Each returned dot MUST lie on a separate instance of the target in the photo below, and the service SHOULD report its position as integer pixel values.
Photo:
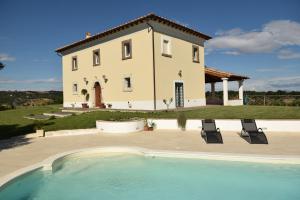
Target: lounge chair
(210, 133)
(252, 133)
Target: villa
(150, 63)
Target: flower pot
(146, 128)
(150, 128)
(85, 105)
(102, 105)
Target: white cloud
(49, 80)
(274, 84)
(285, 32)
(252, 42)
(272, 36)
(6, 57)
(234, 53)
(288, 54)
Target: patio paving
(22, 152)
(59, 114)
(37, 117)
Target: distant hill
(30, 98)
(268, 93)
(270, 98)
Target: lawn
(12, 122)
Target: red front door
(97, 95)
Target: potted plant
(149, 126)
(181, 121)
(85, 93)
(146, 127)
(102, 105)
(38, 125)
(167, 103)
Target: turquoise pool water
(131, 177)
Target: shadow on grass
(8, 131)
(8, 135)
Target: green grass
(12, 122)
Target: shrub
(87, 97)
(38, 125)
(181, 121)
(167, 103)
(152, 124)
(52, 117)
(83, 91)
(5, 107)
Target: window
(166, 47)
(74, 63)
(96, 57)
(126, 49)
(127, 84)
(75, 88)
(196, 54)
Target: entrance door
(97, 94)
(179, 97)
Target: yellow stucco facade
(176, 75)
(169, 68)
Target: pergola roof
(214, 75)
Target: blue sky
(260, 39)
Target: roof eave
(137, 21)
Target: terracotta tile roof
(134, 22)
(215, 75)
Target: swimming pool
(126, 176)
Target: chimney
(87, 35)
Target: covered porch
(213, 76)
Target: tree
(1, 65)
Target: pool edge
(49, 162)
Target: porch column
(225, 91)
(212, 89)
(241, 90)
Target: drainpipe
(153, 59)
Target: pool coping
(49, 162)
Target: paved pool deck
(21, 152)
